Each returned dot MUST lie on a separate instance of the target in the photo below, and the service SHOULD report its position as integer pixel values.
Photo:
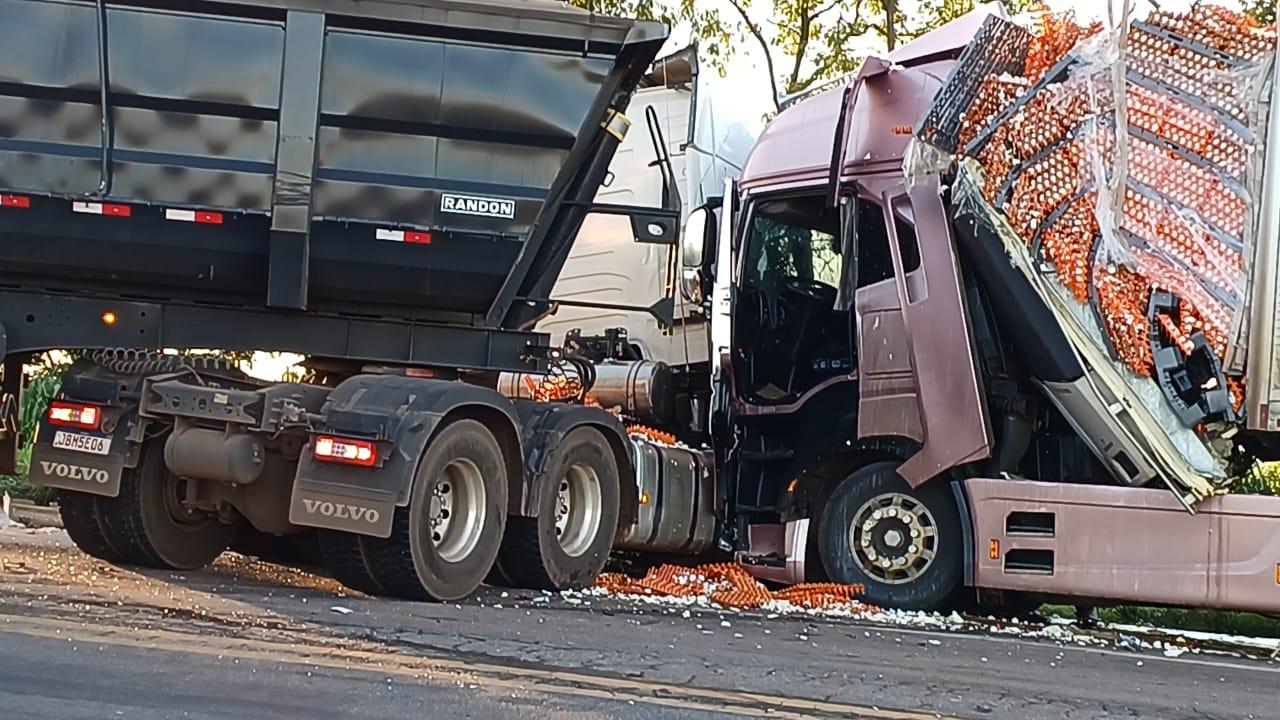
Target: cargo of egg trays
(1165, 281)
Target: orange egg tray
(729, 585)
(1191, 89)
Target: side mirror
(699, 237)
(691, 286)
(694, 247)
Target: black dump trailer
(388, 187)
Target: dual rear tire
(567, 544)
(444, 542)
(147, 524)
(454, 533)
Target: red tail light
(75, 415)
(328, 448)
(15, 201)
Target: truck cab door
(722, 286)
(918, 377)
(720, 312)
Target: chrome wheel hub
(456, 512)
(894, 538)
(579, 508)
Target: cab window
(793, 239)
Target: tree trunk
(891, 30)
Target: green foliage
(43, 379)
(804, 42)
(1264, 11)
(933, 13)
(1215, 621)
(715, 38)
(643, 9)
(1262, 479)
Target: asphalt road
(81, 639)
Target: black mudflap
(83, 461)
(95, 475)
(321, 508)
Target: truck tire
(345, 560)
(443, 545)
(567, 544)
(81, 519)
(903, 544)
(147, 524)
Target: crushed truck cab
(1047, 321)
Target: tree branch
(822, 11)
(764, 46)
(802, 46)
(890, 23)
(823, 68)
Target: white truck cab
(709, 125)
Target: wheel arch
(406, 413)
(543, 425)
(967, 530)
(815, 482)
(629, 496)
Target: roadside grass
(1214, 621)
(44, 376)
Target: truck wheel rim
(894, 538)
(457, 515)
(579, 509)
(175, 490)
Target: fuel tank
(677, 498)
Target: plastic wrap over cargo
(1146, 234)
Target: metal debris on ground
(7, 522)
(730, 586)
